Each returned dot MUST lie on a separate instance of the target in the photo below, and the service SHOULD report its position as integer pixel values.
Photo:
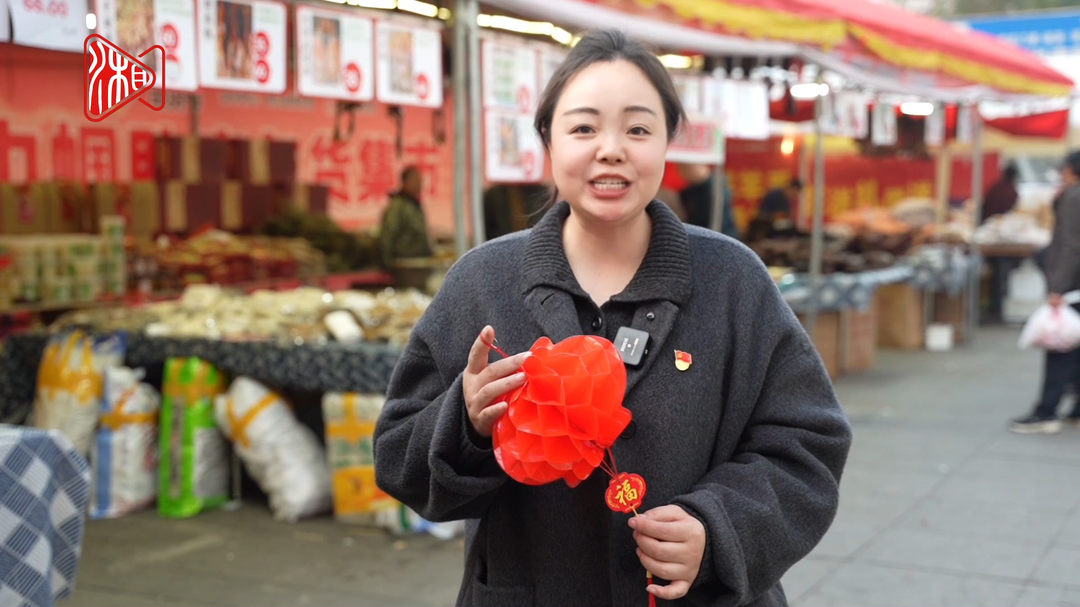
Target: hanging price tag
(625, 493)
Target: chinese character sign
(336, 53)
(114, 78)
(58, 25)
(243, 45)
(136, 25)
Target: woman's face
(608, 142)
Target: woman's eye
(639, 130)
(582, 129)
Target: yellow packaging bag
(350, 428)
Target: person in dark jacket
(697, 199)
(1002, 196)
(404, 232)
(1062, 268)
(742, 450)
(777, 204)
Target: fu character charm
(625, 493)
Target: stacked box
(113, 255)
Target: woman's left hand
(671, 544)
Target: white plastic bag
(1054, 329)
(124, 455)
(281, 454)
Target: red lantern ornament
(569, 412)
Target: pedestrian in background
(1062, 267)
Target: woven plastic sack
(350, 428)
(124, 455)
(194, 455)
(69, 387)
(282, 455)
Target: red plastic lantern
(561, 422)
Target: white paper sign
(5, 25)
(410, 65)
(748, 116)
(884, 125)
(136, 25)
(58, 25)
(852, 114)
(699, 141)
(690, 94)
(935, 127)
(513, 152)
(713, 102)
(510, 76)
(964, 126)
(336, 55)
(550, 60)
(242, 45)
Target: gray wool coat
(750, 439)
(1063, 256)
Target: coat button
(650, 316)
(599, 322)
(630, 562)
(630, 430)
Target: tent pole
(461, 100)
(476, 117)
(817, 241)
(977, 213)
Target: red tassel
(652, 597)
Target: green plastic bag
(194, 454)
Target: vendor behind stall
(404, 232)
(1002, 196)
(778, 203)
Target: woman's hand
(671, 544)
(1055, 300)
(485, 384)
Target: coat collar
(664, 273)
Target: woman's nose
(611, 149)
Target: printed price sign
(58, 25)
(410, 65)
(242, 45)
(135, 25)
(337, 55)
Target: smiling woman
(742, 450)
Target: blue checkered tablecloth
(44, 488)
(840, 291)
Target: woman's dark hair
(1073, 162)
(607, 45)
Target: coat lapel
(554, 310)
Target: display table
(317, 368)
(840, 291)
(1003, 259)
(44, 489)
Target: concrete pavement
(940, 507)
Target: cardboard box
(25, 209)
(952, 310)
(282, 156)
(178, 159)
(147, 218)
(232, 206)
(258, 162)
(860, 352)
(826, 339)
(901, 314)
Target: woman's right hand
(485, 384)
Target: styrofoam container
(940, 337)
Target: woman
(742, 451)
(1061, 265)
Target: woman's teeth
(607, 184)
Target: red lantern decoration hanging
(562, 421)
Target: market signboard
(513, 153)
(510, 76)
(242, 45)
(58, 25)
(410, 65)
(136, 25)
(700, 140)
(336, 53)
